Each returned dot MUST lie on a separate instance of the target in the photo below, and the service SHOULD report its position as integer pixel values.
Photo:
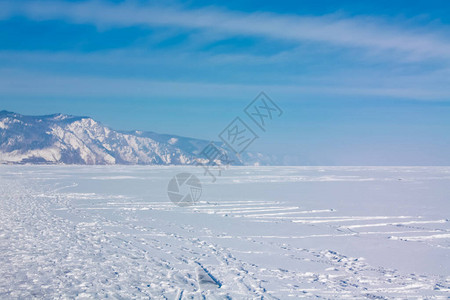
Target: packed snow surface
(256, 233)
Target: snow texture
(257, 233)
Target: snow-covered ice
(257, 232)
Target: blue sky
(360, 82)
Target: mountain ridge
(67, 139)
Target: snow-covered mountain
(65, 139)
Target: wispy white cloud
(368, 33)
(235, 74)
(17, 83)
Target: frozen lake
(257, 232)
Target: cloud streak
(355, 32)
(186, 72)
(14, 83)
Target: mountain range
(66, 139)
